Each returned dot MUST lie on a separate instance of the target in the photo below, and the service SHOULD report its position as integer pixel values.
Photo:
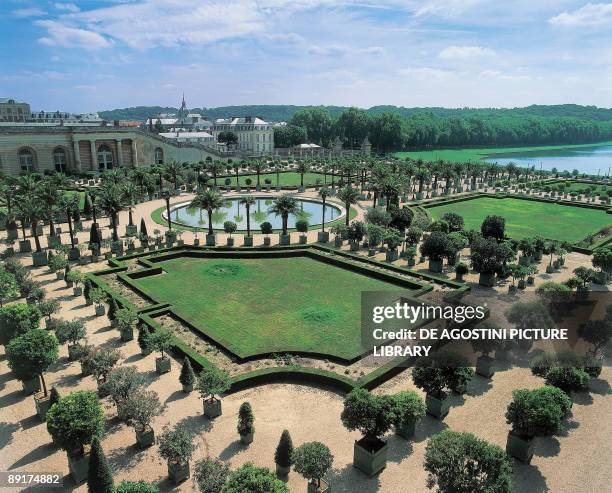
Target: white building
(196, 137)
(255, 136)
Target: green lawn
(71, 193)
(529, 218)
(254, 306)
(476, 154)
(288, 179)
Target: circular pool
(310, 210)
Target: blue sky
(88, 55)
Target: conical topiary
(284, 449)
(87, 206)
(100, 476)
(245, 419)
(143, 333)
(86, 289)
(112, 309)
(54, 396)
(143, 227)
(187, 376)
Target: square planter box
(370, 462)
(435, 266)
(178, 471)
(100, 310)
(284, 239)
(405, 430)
(127, 334)
(323, 487)
(39, 259)
(487, 280)
(484, 366)
(42, 404)
(267, 241)
(74, 254)
(131, 230)
(79, 467)
(323, 237)
(145, 438)
(411, 262)
(391, 256)
(162, 365)
(54, 240)
(77, 291)
(303, 239)
(196, 242)
(338, 242)
(247, 438)
(212, 409)
(230, 242)
(248, 241)
(188, 388)
(211, 240)
(520, 448)
(31, 386)
(437, 407)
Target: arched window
(105, 158)
(59, 160)
(159, 155)
(26, 160)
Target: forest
(395, 128)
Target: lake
(590, 160)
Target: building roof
(306, 146)
(14, 101)
(241, 120)
(186, 135)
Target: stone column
(94, 156)
(77, 155)
(119, 153)
(134, 154)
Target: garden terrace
(527, 216)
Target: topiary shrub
(284, 449)
(75, 420)
(245, 419)
(373, 415)
(187, 378)
(17, 319)
(136, 487)
(312, 460)
(568, 379)
(176, 445)
(251, 479)
(408, 407)
(210, 475)
(100, 476)
(463, 463)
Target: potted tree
(532, 413)
(176, 446)
(98, 297)
(251, 478)
(99, 476)
(47, 309)
(75, 277)
(283, 206)
(210, 475)
(447, 454)
(266, 229)
(393, 240)
(123, 382)
(100, 362)
(143, 336)
(70, 332)
(212, 382)
(230, 227)
(461, 270)
(373, 415)
(339, 231)
(432, 379)
(411, 252)
(138, 410)
(126, 320)
(29, 356)
(302, 227)
(435, 247)
(282, 455)
(246, 430)
(486, 259)
(73, 422)
(57, 264)
(160, 340)
(113, 308)
(187, 377)
(312, 460)
(409, 410)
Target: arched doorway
(105, 158)
(27, 160)
(60, 160)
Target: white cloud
(496, 74)
(462, 52)
(70, 7)
(61, 35)
(29, 12)
(591, 14)
(428, 73)
(340, 51)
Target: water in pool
(236, 212)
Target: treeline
(389, 131)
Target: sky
(91, 55)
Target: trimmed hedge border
(307, 375)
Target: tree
(248, 201)
(602, 258)
(463, 463)
(187, 376)
(176, 445)
(348, 196)
(136, 487)
(312, 460)
(101, 361)
(8, 286)
(100, 476)
(538, 412)
(436, 246)
(49, 307)
(139, 409)
(454, 221)
(211, 475)
(597, 332)
(487, 256)
(30, 210)
(211, 382)
(529, 315)
(210, 200)
(371, 414)
(568, 379)
(124, 382)
(245, 419)
(70, 331)
(17, 319)
(160, 340)
(283, 206)
(408, 407)
(493, 227)
(289, 136)
(30, 355)
(230, 227)
(252, 479)
(112, 201)
(75, 420)
(284, 450)
(228, 138)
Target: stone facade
(13, 111)
(255, 136)
(90, 149)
